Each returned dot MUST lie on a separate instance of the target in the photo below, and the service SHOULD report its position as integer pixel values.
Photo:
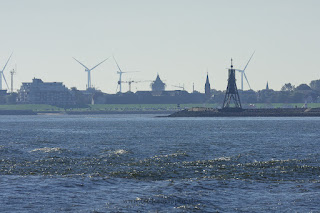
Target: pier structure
(232, 99)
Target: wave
(120, 152)
(164, 167)
(49, 150)
(173, 155)
(223, 159)
(110, 153)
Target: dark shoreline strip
(17, 112)
(315, 112)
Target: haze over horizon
(181, 40)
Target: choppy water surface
(127, 163)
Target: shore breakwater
(277, 112)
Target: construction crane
(181, 87)
(120, 72)
(132, 81)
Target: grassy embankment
(140, 107)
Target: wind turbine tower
(120, 75)
(120, 72)
(243, 74)
(2, 75)
(89, 71)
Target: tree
(315, 85)
(11, 98)
(303, 87)
(98, 98)
(248, 96)
(287, 87)
(217, 96)
(266, 96)
(282, 97)
(297, 97)
(79, 98)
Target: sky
(181, 40)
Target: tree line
(303, 93)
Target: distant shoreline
(278, 112)
(161, 109)
(100, 112)
(116, 112)
(17, 112)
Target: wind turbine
(120, 72)
(2, 75)
(244, 74)
(89, 71)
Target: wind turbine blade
(82, 64)
(99, 63)
(7, 62)
(248, 61)
(247, 80)
(117, 63)
(4, 78)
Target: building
(158, 85)
(152, 97)
(3, 94)
(39, 92)
(207, 90)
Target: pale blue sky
(179, 39)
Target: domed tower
(158, 85)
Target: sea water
(132, 163)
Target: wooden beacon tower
(232, 100)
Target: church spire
(207, 87)
(267, 87)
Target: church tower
(207, 88)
